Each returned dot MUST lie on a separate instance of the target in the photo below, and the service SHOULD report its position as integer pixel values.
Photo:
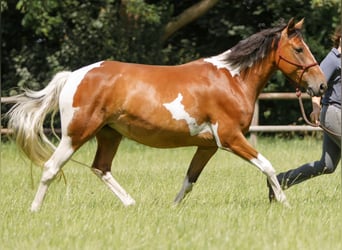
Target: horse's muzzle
(317, 91)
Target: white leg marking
(186, 188)
(266, 167)
(39, 197)
(115, 187)
(51, 168)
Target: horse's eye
(298, 50)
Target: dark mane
(253, 48)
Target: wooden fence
(255, 126)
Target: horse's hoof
(271, 195)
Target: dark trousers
(331, 152)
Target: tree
(42, 37)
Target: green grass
(227, 209)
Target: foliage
(70, 34)
(40, 37)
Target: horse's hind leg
(108, 141)
(198, 162)
(61, 155)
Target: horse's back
(154, 105)
(118, 80)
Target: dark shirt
(331, 67)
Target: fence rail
(255, 126)
(7, 99)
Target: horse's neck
(257, 76)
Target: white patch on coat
(220, 62)
(214, 129)
(176, 108)
(66, 97)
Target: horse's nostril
(323, 87)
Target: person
(327, 111)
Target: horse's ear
(291, 26)
(299, 25)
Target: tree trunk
(187, 16)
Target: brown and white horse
(206, 103)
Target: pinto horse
(206, 103)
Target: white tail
(27, 116)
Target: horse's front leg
(266, 167)
(241, 147)
(198, 162)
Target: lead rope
(299, 95)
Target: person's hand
(314, 116)
(316, 110)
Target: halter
(298, 92)
(303, 67)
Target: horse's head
(295, 60)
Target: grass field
(227, 209)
